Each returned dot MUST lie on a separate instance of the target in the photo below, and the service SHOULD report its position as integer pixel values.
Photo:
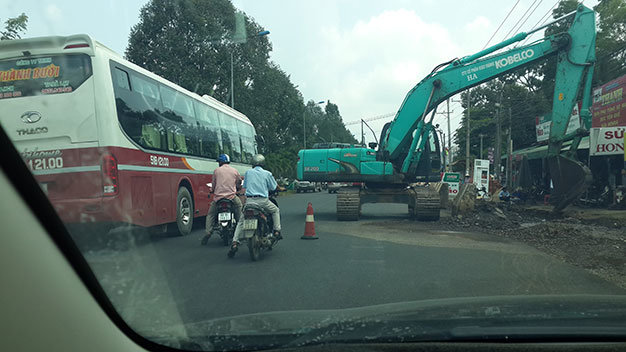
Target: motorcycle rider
(258, 182)
(226, 183)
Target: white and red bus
(111, 142)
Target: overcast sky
(363, 55)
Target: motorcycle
(258, 229)
(226, 220)
(602, 199)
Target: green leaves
(611, 41)
(14, 27)
(190, 42)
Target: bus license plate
(250, 224)
(223, 216)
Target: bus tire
(184, 211)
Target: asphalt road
(169, 281)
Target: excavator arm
(576, 54)
(404, 140)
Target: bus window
(138, 113)
(210, 138)
(230, 137)
(145, 87)
(121, 79)
(246, 133)
(182, 132)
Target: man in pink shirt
(226, 182)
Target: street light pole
(304, 121)
(232, 89)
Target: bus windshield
(43, 75)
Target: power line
(542, 20)
(518, 21)
(530, 14)
(500, 26)
(379, 117)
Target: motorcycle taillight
(224, 206)
(249, 213)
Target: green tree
(14, 27)
(611, 41)
(524, 104)
(190, 42)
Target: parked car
(333, 187)
(306, 186)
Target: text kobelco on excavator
(515, 58)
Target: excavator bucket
(570, 179)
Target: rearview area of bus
(110, 143)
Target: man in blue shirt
(504, 195)
(258, 183)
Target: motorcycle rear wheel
(254, 247)
(225, 235)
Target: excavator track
(348, 204)
(427, 203)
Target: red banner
(609, 105)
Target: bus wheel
(184, 211)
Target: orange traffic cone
(309, 225)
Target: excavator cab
(429, 167)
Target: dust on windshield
(229, 172)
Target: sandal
(233, 250)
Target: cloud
(53, 13)
(479, 23)
(374, 63)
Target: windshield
(252, 175)
(30, 76)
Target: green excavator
(408, 160)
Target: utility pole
(498, 155)
(509, 158)
(232, 90)
(481, 145)
(449, 138)
(467, 135)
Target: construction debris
(595, 241)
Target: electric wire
(506, 36)
(500, 26)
